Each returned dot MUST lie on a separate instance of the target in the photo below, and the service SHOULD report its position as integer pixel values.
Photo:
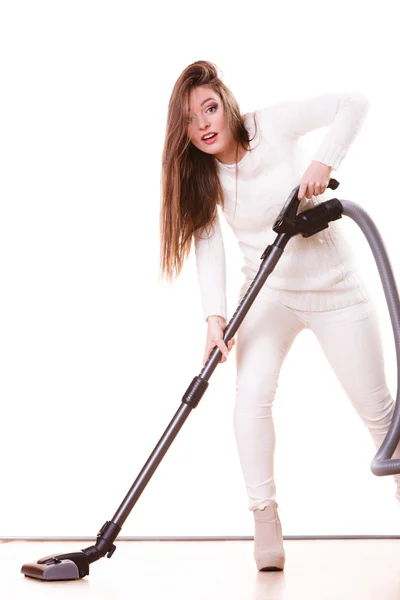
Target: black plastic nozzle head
(58, 567)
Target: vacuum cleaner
(75, 565)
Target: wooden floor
(315, 570)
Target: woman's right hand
(215, 337)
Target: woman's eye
(212, 109)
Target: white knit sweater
(314, 273)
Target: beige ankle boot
(268, 543)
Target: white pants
(350, 339)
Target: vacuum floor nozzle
(58, 567)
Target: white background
(95, 352)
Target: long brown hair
(190, 187)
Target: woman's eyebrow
(204, 101)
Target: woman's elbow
(361, 100)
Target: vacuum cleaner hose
(383, 464)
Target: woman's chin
(212, 151)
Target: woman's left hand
(315, 180)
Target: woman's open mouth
(209, 138)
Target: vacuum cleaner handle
(286, 220)
(333, 184)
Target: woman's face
(206, 117)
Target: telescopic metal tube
(270, 258)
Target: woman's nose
(204, 124)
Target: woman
(247, 165)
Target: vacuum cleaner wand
(75, 565)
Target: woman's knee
(375, 409)
(255, 396)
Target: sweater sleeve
(343, 113)
(211, 269)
